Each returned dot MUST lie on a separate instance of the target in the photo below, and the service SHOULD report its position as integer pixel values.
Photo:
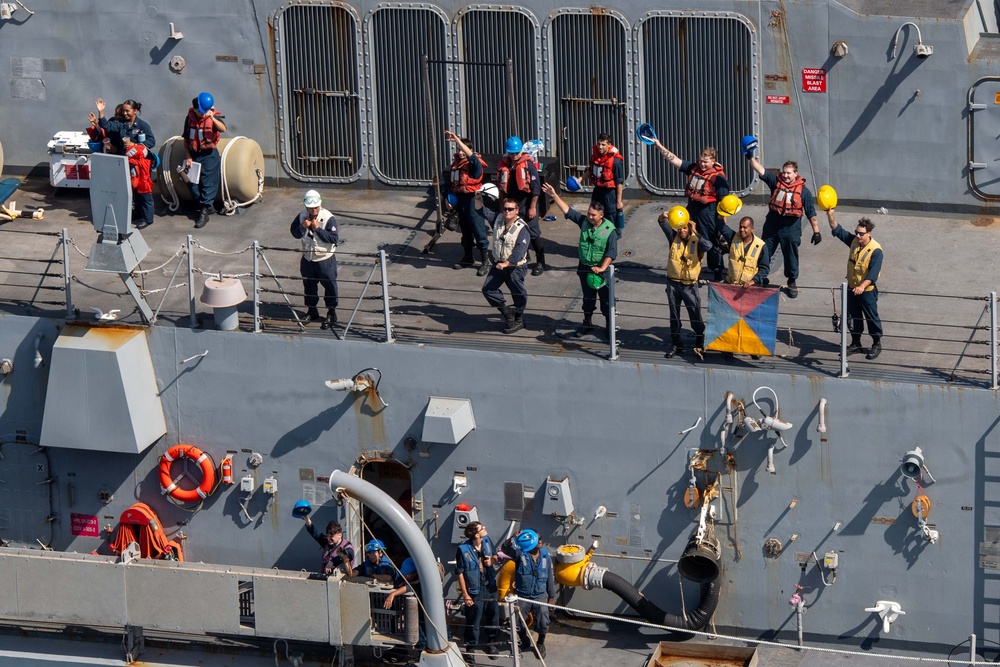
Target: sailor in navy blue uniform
(477, 582)
(534, 581)
(376, 564)
(317, 228)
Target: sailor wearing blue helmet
(376, 564)
(203, 129)
(534, 580)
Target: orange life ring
(169, 487)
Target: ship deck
(934, 288)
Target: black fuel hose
(696, 620)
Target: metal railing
(397, 297)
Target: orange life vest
(522, 177)
(138, 166)
(461, 182)
(786, 200)
(701, 184)
(602, 167)
(200, 133)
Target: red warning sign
(813, 80)
(84, 525)
(776, 99)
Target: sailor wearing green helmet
(598, 248)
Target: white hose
(822, 416)
(165, 169)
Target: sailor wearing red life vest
(467, 169)
(142, 182)
(706, 186)
(607, 175)
(517, 178)
(790, 198)
(202, 131)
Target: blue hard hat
(513, 145)
(573, 184)
(452, 199)
(748, 143)
(205, 102)
(526, 540)
(374, 545)
(302, 509)
(408, 567)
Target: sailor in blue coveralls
(534, 581)
(376, 564)
(477, 582)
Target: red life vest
(461, 182)
(138, 167)
(602, 167)
(786, 200)
(200, 133)
(522, 178)
(701, 184)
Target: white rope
(713, 635)
(229, 204)
(168, 176)
(145, 292)
(219, 273)
(219, 252)
(177, 254)
(73, 245)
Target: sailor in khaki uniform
(863, 267)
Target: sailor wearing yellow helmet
(749, 260)
(863, 267)
(683, 270)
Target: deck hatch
(697, 87)
(398, 39)
(590, 89)
(321, 109)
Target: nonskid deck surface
(934, 286)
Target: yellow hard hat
(826, 198)
(678, 217)
(730, 205)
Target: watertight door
(593, 93)
(984, 137)
(320, 105)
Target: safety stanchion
(385, 296)
(612, 326)
(66, 277)
(993, 341)
(256, 286)
(844, 326)
(191, 307)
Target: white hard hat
(312, 199)
(490, 190)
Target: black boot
(466, 261)
(539, 263)
(331, 319)
(586, 326)
(855, 345)
(876, 349)
(515, 322)
(484, 266)
(508, 316)
(203, 217)
(540, 652)
(313, 315)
